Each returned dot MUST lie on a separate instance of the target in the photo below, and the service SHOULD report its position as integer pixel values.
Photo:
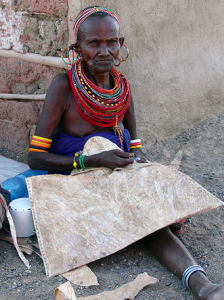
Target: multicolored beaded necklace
(100, 107)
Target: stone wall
(19, 118)
(32, 26)
(175, 65)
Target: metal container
(20, 210)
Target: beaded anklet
(188, 272)
(40, 144)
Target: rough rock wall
(35, 26)
(175, 65)
(32, 26)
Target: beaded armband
(135, 144)
(40, 144)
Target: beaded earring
(73, 59)
(120, 60)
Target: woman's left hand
(139, 157)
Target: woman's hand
(110, 159)
(139, 157)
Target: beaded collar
(100, 107)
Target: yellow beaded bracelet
(75, 163)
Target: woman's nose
(104, 50)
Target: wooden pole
(36, 58)
(23, 97)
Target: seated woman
(92, 99)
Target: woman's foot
(177, 228)
(210, 291)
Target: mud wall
(175, 65)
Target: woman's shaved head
(90, 12)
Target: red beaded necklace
(100, 107)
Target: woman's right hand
(110, 159)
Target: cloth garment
(10, 168)
(68, 145)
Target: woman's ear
(75, 47)
(121, 41)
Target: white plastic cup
(20, 210)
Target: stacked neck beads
(99, 106)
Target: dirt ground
(203, 160)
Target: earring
(120, 60)
(73, 50)
(78, 57)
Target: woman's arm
(130, 123)
(54, 107)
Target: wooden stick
(23, 97)
(36, 58)
(74, 7)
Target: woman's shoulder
(61, 81)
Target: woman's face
(99, 43)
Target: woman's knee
(161, 234)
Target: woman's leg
(169, 251)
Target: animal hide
(82, 218)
